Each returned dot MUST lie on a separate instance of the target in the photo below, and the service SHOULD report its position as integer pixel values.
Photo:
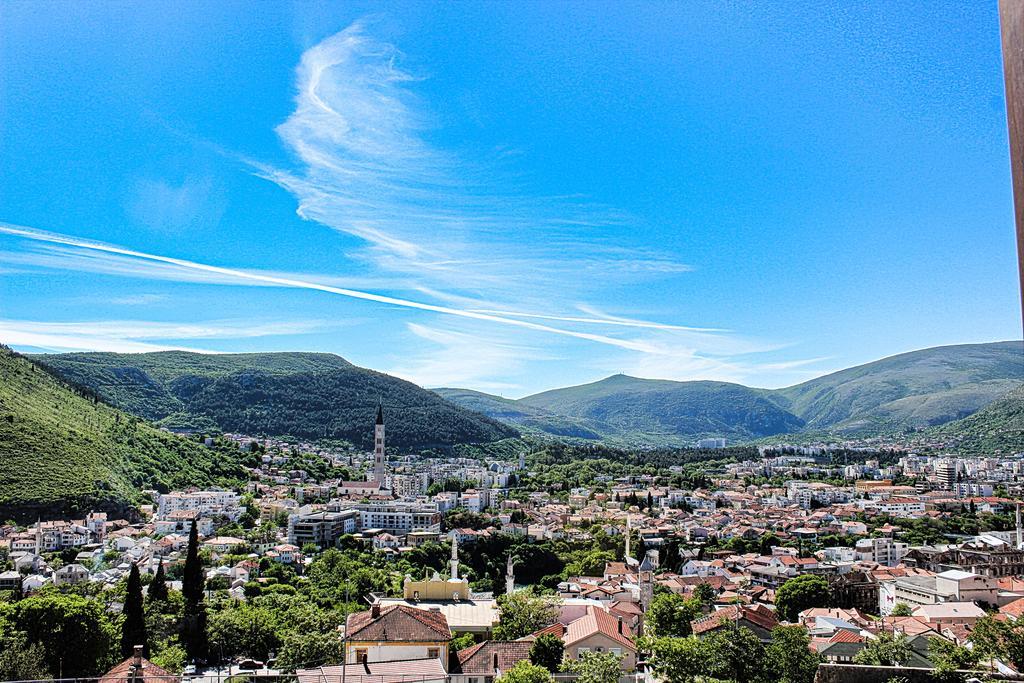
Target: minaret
(379, 464)
(628, 534)
(510, 576)
(39, 533)
(1020, 531)
(454, 562)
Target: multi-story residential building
(211, 503)
(408, 485)
(945, 473)
(884, 551)
(399, 517)
(967, 489)
(320, 527)
(897, 507)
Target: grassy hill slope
(916, 389)
(667, 411)
(64, 452)
(298, 394)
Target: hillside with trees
(302, 395)
(65, 451)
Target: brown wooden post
(1011, 23)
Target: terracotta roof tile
(480, 659)
(398, 623)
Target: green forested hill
(297, 394)
(64, 452)
(663, 411)
(526, 417)
(910, 391)
(996, 428)
(916, 389)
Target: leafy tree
(246, 630)
(158, 591)
(948, 658)
(790, 657)
(885, 650)
(678, 660)
(670, 614)
(736, 654)
(461, 642)
(170, 659)
(705, 593)
(1002, 640)
(20, 661)
(547, 651)
(525, 672)
(901, 609)
(523, 613)
(800, 593)
(595, 667)
(133, 628)
(304, 650)
(74, 632)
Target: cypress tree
(158, 587)
(192, 583)
(193, 628)
(133, 629)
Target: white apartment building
(207, 503)
(884, 551)
(400, 517)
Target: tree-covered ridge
(529, 418)
(910, 391)
(915, 389)
(996, 428)
(302, 395)
(65, 452)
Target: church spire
(379, 457)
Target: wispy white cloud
(365, 168)
(643, 348)
(249, 276)
(138, 299)
(462, 358)
(133, 336)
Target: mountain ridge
(915, 390)
(274, 394)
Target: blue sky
(508, 196)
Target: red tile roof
(377, 672)
(755, 614)
(398, 623)
(481, 658)
(845, 636)
(151, 673)
(596, 621)
(1015, 608)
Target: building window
(361, 656)
(433, 653)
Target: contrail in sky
(54, 238)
